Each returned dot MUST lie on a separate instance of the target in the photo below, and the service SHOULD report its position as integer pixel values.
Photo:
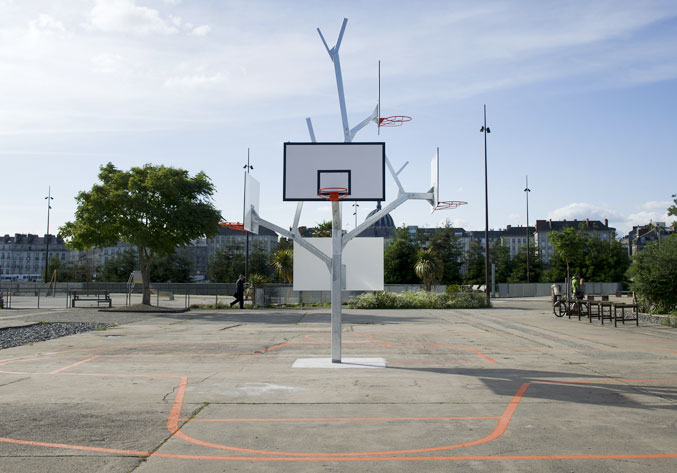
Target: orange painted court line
(74, 447)
(73, 365)
(339, 419)
(501, 426)
(504, 420)
(141, 453)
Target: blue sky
(580, 96)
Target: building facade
(544, 229)
(23, 256)
(637, 239)
(515, 238)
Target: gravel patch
(17, 336)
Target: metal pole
(246, 250)
(336, 282)
(486, 130)
(526, 191)
(49, 199)
(355, 206)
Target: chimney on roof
(564, 220)
(606, 222)
(587, 222)
(575, 220)
(550, 222)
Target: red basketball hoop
(395, 120)
(233, 225)
(333, 194)
(449, 204)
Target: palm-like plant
(283, 263)
(428, 268)
(255, 280)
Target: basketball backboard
(358, 167)
(435, 179)
(362, 259)
(251, 202)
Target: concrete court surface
(510, 388)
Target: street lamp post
(485, 129)
(526, 191)
(355, 206)
(246, 167)
(49, 200)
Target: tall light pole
(355, 206)
(49, 200)
(246, 167)
(485, 129)
(526, 191)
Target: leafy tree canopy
(400, 258)
(653, 275)
(594, 259)
(155, 208)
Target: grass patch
(419, 300)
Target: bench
(93, 296)
(625, 300)
(621, 306)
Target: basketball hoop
(233, 225)
(395, 120)
(449, 204)
(333, 194)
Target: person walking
(239, 292)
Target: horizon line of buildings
(22, 257)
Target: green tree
(119, 268)
(672, 210)
(283, 263)
(68, 272)
(400, 258)
(474, 264)
(428, 268)
(227, 263)
(500, 256)
(450, 251)
(154, 208)
(171, 268)
(260, 261)
(322, 229)
(519, 269)
(570, 248)
(653, 275)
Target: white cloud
(46, 24)
(124, 16)
(196, 80)
(622, 221)
(201, 30)
(108, 62)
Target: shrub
(654, 276)
(418, 300)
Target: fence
(31, 295)
(543, 289)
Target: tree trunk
(144, 263)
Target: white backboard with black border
(358, 167)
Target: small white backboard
(362, 259)
(251, 202)
(435, 180)
(357, 167)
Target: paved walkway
(505, 389)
